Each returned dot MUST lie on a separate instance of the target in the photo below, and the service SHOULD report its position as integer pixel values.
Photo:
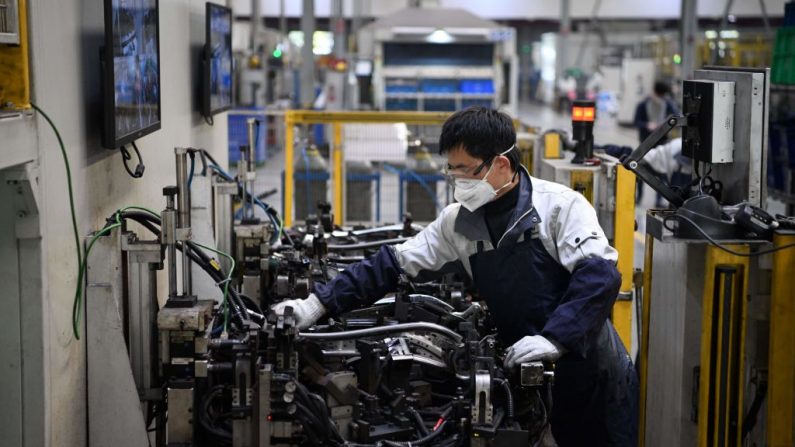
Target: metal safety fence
(371, 167)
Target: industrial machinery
(440, 59)
(422, 366)
(713, 367)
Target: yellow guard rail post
(624, 241)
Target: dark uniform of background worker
(549, 284)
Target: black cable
(313, 418)
(421, 441)
(125, 156)
(419, 421)
(203, 157)
(718, 244)
(239, 313)
(204, 414)
(245, 195)
(321, 410)
(210, 157)
(506, 387)
(250, 303)
(749, 422)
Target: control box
(709, 106)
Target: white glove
(530, 348)
(306, 311)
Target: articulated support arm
(631, 162)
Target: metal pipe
(362, 245)
(224, 218)
(183, 209)
(475, 307)
(168, 230)
(386, 228)
(383, 330)
(307, 91)
(282, 20)
(339, 30)
(561, 61)
(688, 27)
(183, 214)
(252, 125)
(256, 25)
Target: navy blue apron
(594, 398)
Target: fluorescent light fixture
(412, 29)
(711, 34)
(322, 41)
(471, 31)
(439, 36)
(729, 34)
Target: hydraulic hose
(418, 420)
(363, 245)
(509, 411)
(422, 441)
(199, 257)
(382, 330)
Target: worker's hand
(306, 311)
(531, 348)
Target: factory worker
(538, 258)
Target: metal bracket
(24, 179)
(482, 399)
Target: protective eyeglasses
(454, 172)
(457, 172)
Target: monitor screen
(218, 60)
(132, 70)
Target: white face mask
(473, 193)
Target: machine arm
(632, 161)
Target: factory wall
(65, 37)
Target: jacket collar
(472, 225)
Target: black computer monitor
(217, 61)
(131, 71)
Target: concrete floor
(606, 131)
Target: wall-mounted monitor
(130, 71)
(217, 61)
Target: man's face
(462, 165)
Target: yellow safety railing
(624, 242)
(294, 118)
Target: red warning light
(583, 113)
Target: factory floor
(606, 131)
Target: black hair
(481, 132)
(661, 88)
